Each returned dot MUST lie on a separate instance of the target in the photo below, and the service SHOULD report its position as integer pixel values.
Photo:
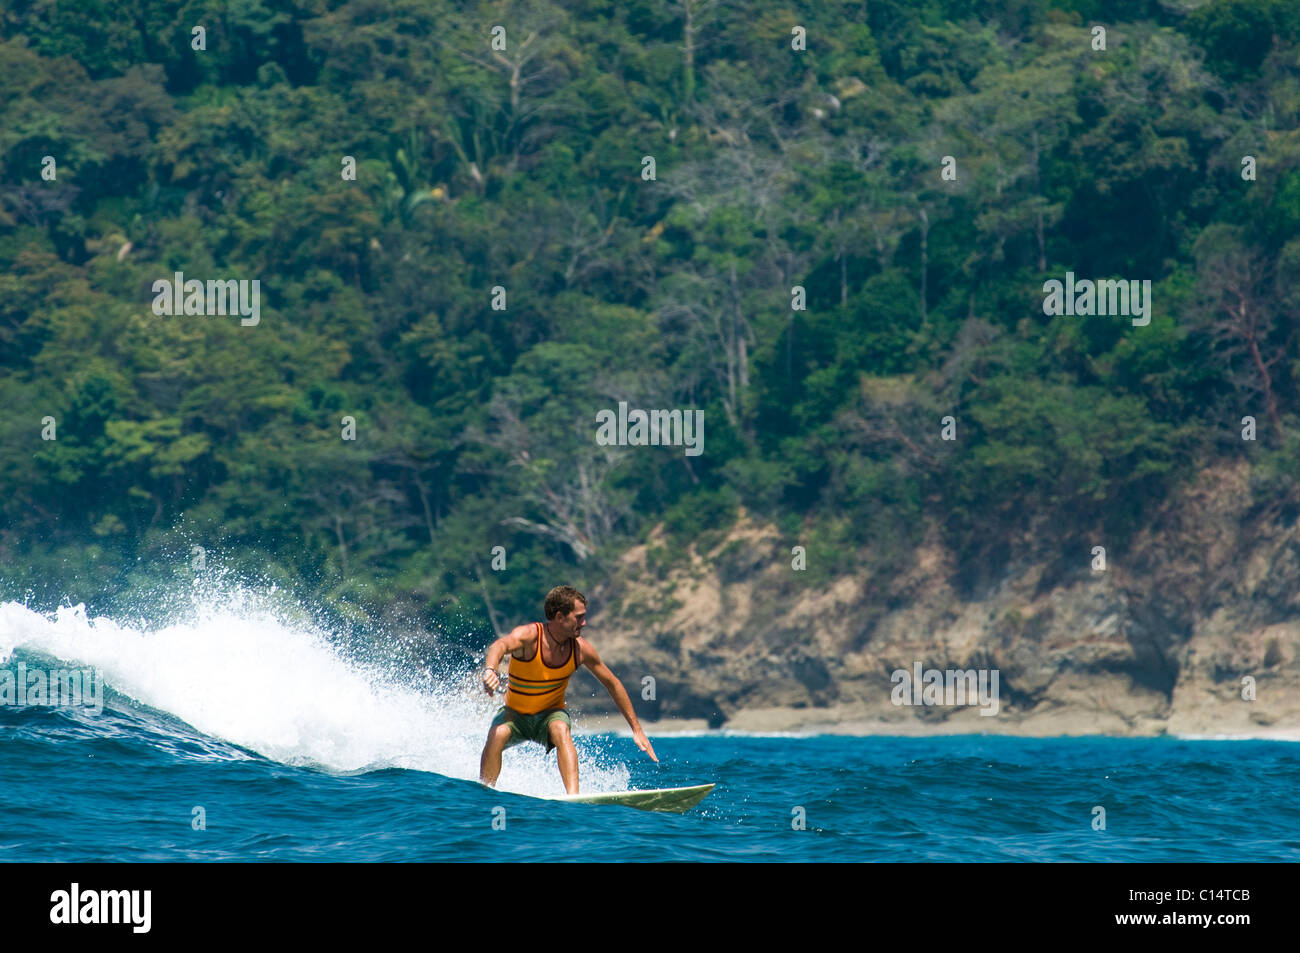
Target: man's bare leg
(566, 754)
(489, 765)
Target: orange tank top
(532, 685)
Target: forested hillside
(827, 250)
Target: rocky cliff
(1201, 612)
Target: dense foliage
(522, 168)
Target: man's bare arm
(591, 659)
(519, 638)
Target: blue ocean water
(294, 754)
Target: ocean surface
(235, 735)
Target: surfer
(543, 656)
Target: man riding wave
(543, 655)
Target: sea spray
(239, 671)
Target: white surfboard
(670, 800)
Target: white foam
(237, 671)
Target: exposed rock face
(1165, 639)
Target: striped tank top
(532, 685)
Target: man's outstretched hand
(490, 681)
(644, 744)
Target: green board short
(531, 727)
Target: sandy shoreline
(804, 721)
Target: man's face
(570, 625)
